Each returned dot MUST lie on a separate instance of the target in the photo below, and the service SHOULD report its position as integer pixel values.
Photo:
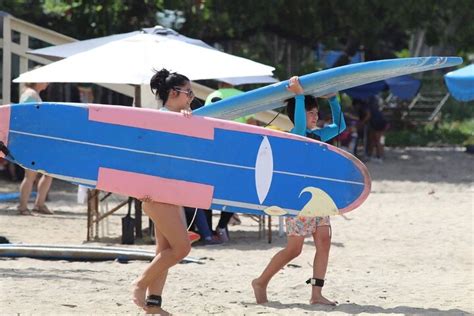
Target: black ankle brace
(315, 282)
(153, 300)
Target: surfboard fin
(275, 211)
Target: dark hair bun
(158, 80)
(163, 81)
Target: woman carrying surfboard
(304, 115)
(172, 242)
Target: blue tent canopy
(332, 56)
(460, 83)
(403, 87)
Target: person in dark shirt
(376, 124)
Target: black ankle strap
(153, 300)
(315, 282)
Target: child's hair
(163, 81)
(309, 104)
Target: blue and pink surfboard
(197, 161)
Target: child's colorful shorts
(305, 226)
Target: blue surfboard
(13, 196)
(197, 161)
(79, 253)
(323, 82)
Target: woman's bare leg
(168, 220)
(283, 257)
(26, 187)
(156, 288)
(43, 188)
(322, 241)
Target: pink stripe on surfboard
(4, 125)
(195, 126)
(151, 119)
(158, 189)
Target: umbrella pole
(138, 209)
(137, 102)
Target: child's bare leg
(322, 240)
(291, 251)
(167, 219)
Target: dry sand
(407, 250)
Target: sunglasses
(189, 93)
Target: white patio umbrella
(66, 50)
(133, 59)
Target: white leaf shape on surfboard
(320, 204)
(263, 169)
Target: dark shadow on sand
(239, 240)
(51, 274)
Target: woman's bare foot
(155, 310)
(260, 292)
(138, 294)
(24, 211)
(321, 300)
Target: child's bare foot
(321, 300)
(260, 292)
(138, 294)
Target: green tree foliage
(84, 19)
(278, 32)
(285, 33)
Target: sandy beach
(407, 250)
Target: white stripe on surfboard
(317, 177)
(181, 158)
(134, 150)
(249, 206)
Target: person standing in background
(31, 94)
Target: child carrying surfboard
(304, 115)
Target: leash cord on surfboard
(281, 110)
(192, 220)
